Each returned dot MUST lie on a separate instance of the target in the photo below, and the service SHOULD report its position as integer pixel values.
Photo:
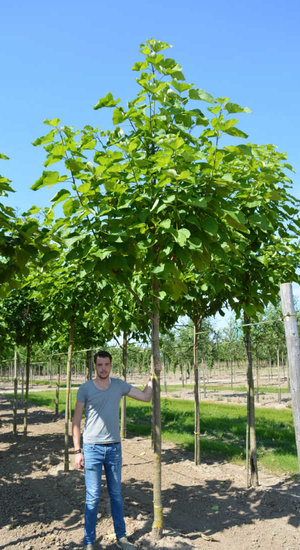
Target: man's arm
(142, 395)
(78, 457)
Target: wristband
(77, 452)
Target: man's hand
(79, 461)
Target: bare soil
(205, 507)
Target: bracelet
(77, 452)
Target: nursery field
(205, 507)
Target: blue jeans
(94, 457)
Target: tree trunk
(279, 380)
(89, 365)
(257, 379)
(57, 386)
(124, 373)
(293, 355)
(204, 367)
(27, 374)
(197, 458)
(157, 526)
(252, 478)
(165, 374)
(15, 393)
(68, 391)
(22, 387)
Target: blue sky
(59, 57)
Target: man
(101, 444)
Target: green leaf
(236, 132)
(74, 165)
(157, 45)
(166, 223)
(107, 101)
(140, 66)
(200, 202)
(104, 253)
(4, 157)
(84, 187)
(48, 178)
(210, 226)
(261, 221)
(182, 236)
(197, 93)
(180, 86)
(236, 220)
(158, 269)
(50, 255)
(54, 122)
(60, 196)
(235, 108)
(70, 207)
(118, 115)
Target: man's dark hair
(102, 354)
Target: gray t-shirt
(102, 410)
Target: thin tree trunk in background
(22, 387)
(252, 457)
(204, 368)
(257, 379)
(124, 375)
(197, 456)
(70, 398)
(279, 381)
(231, 374)
(293, 353)
(157, 526)
(67, 406)
(28, 348)
(88, 365)
(57, 386)
(165, 374)
(51, 371)
(15, 393)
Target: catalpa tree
(152, 199)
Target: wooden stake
(293, 353)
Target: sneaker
(125, 544)
(89, 547)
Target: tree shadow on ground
(35, 491)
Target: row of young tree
(156, 219)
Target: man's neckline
(101, 389)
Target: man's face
(103, 367)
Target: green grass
(262, 389)
(223, 428)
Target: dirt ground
(205, 507)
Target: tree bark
(293, 355)
(124, 375)
(278, 371)
(88, 363)
(57, 386)
(157, 526)
(15, 393)
(68, 391)
(252, 478)
(27, 374)
(165, 374)
(197, 457)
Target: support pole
(293, 353)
